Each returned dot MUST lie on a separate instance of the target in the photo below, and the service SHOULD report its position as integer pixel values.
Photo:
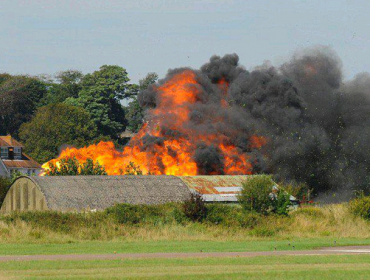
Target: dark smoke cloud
(317, 125)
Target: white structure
(13, 159)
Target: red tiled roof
(26, 162)
(8, 141)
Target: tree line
(70, 108)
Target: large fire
(174, 154)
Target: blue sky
(47, 36)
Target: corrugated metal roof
(221, 184)
(8, 141)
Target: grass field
(161, 232)
(108, 247)
(282, 267)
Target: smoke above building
(300, 121)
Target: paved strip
(350, 250)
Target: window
(17, 153)
(4, 153)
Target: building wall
(3, 171)
(23, 195)
(27, 171)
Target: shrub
(194, 208)
(281, 204)
(4, 187)
(360, 207)
(258, 196)
(56, 221)
(313, 212)
(132, 169)
(71, 166)
(248, 219)
(254, 195)
(133, 214)
(218, 213)
(230, 216)
(179, 216)
(301, 191)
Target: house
(12, 158)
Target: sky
(47, 36)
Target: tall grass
(167, 222)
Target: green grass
(281, 267)
(100, 247)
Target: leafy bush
(176, 213)
(132, 169)
(360, 207)
(230, 216)
(301, 191)
(71, 166)
(281, 204)
(194, 208)
(258, 196)
(220, 214)
(248, 219)
(133, 214)
(179, 216)
(168, 213)
(56, 221)
(4, 187)
(254, 195)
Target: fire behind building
(300, 121)
(12, 158)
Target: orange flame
(174, 155)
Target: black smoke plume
(316, 124)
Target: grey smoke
(317, 124)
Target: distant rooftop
(25, 162)
(12, 155)
(8, 141)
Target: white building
(13, 159)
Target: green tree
(19, 96)
(67, 85)
(71, 167)
(4, 77)
(55, 125)
(149, 79)
(134, 112)
(101, 94)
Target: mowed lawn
(109, 247)
(281, 267)
(267, 267)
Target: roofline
(4, 139)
